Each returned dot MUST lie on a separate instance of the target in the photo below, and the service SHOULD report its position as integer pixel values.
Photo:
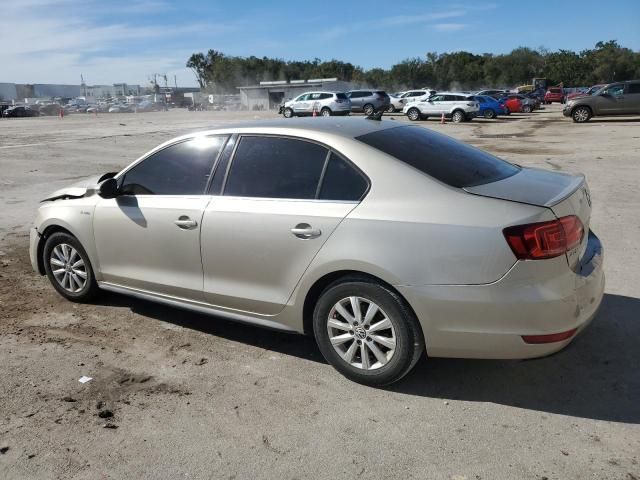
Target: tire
(581, 114)
(403, 341)
(490, 114)
(526, 109)
(325, 112)
(458, 116)
(287, 113)
(413, 114)
(64, 251)
(391, 109)
(368, 109)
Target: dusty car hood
(78, 189)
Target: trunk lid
(564, 194)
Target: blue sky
(54, 41)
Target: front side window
(615, 90)
(275, 167)
(179, 169)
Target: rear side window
(341, 96)
(634, 87)
(443, 158)
(180, 169)
(324, 96)
(273, 167)
(342, 181)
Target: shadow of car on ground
(597, 376)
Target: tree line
(606, 62)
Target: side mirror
(108, 188)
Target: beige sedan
(380, 239)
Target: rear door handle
(306, 231)
(186, 223)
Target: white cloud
(54, 41)
(448, 27)
(409, 19)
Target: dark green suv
(620, 98)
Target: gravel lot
(199, 397)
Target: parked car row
(416, 104)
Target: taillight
(536, 241)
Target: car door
(611, 100)
(148, 237)
(430, 106)
(632, 98)
(270, 220)
(301, 104)
(357, 100)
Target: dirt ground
(180, 395)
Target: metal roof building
(269, 95)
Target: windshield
(443, 158)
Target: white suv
(453, 105)
(323, 103)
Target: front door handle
(186, 223)
(305, 231)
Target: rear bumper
(489, 321)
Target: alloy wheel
(361, 333)
(581, 115)
(68, 268)
(413, 114)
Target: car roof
(453, 93)
(346, 127)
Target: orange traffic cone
(315, 114)
(62, 113)
(442, 120)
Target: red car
(513, 104)
(554, 94)
(590, 91)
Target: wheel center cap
(360, 332)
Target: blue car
(489, 106)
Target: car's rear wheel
(68, 267)
(526, 108)
(367, 332)
(581, 114)
(287, 113)
(413, 114)
(325, 112)
(391, 109)
(368, 109)
(458, 116)
(489, 113)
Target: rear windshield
(382, 93)
(443, 158)
(341, 96)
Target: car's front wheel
(413, 114)
(391, 109)
(581, 114)
(68, 268)
(368, 109)
(287, 113)
(526, 109)
(367, 332)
